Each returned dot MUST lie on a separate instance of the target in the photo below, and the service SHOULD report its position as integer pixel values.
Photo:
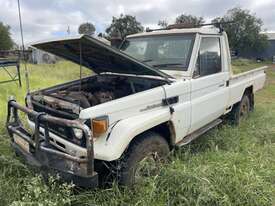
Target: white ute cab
(160, 90)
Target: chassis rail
(42, 154)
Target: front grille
(61, 131)
(56, 113)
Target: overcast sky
(44, 19)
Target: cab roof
(202, 30)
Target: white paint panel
(125, 131)
(238, 83)
(126, 106)
(209, 97)
(181, 117)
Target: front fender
(113, 145)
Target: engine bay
(92, 91)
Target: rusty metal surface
(42, 151)
(57, 103)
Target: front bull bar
(42, 154)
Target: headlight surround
(78, 133)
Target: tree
(244, 33)
(124, 25)
(162, 23)
(6, 42)
(189, 20)
(86, 28)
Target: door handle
(221, 85)
(227, 83)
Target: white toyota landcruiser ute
(162, 89)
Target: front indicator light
(100, 125)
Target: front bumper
(37, 150)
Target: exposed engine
(92, 91)
(95, 92)
(85, 99)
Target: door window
(209, 57)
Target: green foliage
(34, 191)
(86, 28)
(245, 33)
(163, 23)
(124, 25)
(189, 20)
(183, 19)
(227, 166)
(6, 42)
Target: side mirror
(116, 42)
(116, 39)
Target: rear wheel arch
(249, 92)
(248, 96)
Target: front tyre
(142, 159)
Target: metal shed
(41, 57)
(267, 54)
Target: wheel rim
(147, 167)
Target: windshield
(163, 52)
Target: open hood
(96, 56)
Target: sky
(44, 19)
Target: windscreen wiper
(168, 64)
(147, 60)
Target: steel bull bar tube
(78, 170)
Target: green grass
(243, 65)
(226, 166)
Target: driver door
(209, 92)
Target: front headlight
(78, 133)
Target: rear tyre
(240, 111)
(142, 159)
